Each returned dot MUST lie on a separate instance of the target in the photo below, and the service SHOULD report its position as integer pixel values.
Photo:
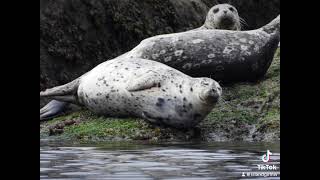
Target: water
(162, 161)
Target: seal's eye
(231, 9)
(215, 10)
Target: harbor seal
(225, 55)
(222, 16)
(141, 88)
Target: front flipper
(146, 81)
(52, 109)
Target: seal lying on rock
(141, 88)
(224, 55)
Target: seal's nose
(215, 94)
(214, 90)
(225, 11)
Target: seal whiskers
(242, 22)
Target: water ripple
(152, 162)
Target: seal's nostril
(225, 11)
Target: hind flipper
(52, 109)
(66, 89)
(65, 93)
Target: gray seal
(141, 88)
(224, 55)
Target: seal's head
(223, 16)
(209, 90)
(187, 102)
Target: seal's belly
(104, 89)
(105, 93)
(115, 104)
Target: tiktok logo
(266, 157)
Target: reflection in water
(177, 161)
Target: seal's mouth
(214, 98)
(226, 22)
(210, 97)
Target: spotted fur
(143, 88)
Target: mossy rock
(85, 127)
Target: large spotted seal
(225, 55)
(141, 88)
(222, 16)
